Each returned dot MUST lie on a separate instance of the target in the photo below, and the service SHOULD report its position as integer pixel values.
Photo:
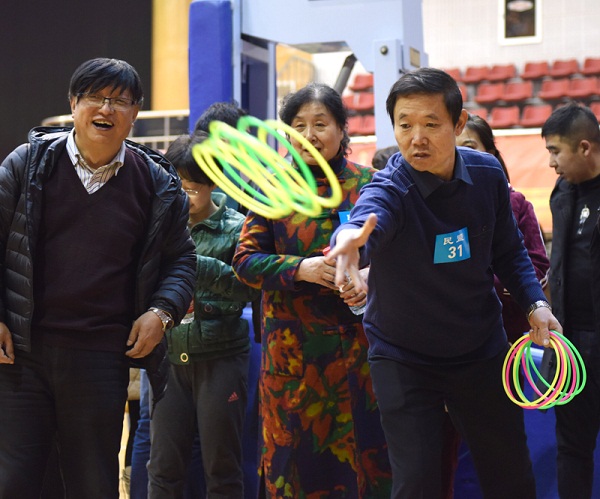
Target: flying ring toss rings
(568, 381)
(257, 176)
(228, 155)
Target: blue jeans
(75, 398)
(141, 444)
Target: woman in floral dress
(321, 434)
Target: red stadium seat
(363, 101)
(554, 89)
(464, 92)
(591, 66)
(580, 88)
(475, 74)
(535, 115)
(368, 125)
(362, 82)
(361, 125)
(595, 107)
(535, 70)
(502, 72)
(516, 91)
(455, 73)
(560, 69)
(348, 100)
(355, 125)
(489, 93)
(504, 117)
(482, 112)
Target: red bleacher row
(531, 70)
(507, 98)
(360, 104)
(499, 93)
(531, 116)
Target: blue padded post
(210, 55)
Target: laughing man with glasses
(96, 264)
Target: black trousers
(577, 424)
(74, 399)
(207, 397)
(411, 399)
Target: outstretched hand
(345, 254)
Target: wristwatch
(536, 305)
(165, 317)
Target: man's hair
(573, 123)
(180, 155)
(324, 94)
(427, 81)
(227, 112)
(381, 156)
(97, 74)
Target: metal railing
(155, 129)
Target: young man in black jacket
(573, 139)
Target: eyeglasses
(191, 192)
(115, 103)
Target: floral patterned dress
(321, 434)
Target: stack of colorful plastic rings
(568, 381)
(257, 176)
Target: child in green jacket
(209, 350)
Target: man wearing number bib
(435, 225)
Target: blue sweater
(433, 256)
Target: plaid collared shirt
(92, 179)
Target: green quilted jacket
(213, 326)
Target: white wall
(460, 33)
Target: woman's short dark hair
(486, 135)
(180, 155)
(427, 81)
(96, 74)
(324, 94)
